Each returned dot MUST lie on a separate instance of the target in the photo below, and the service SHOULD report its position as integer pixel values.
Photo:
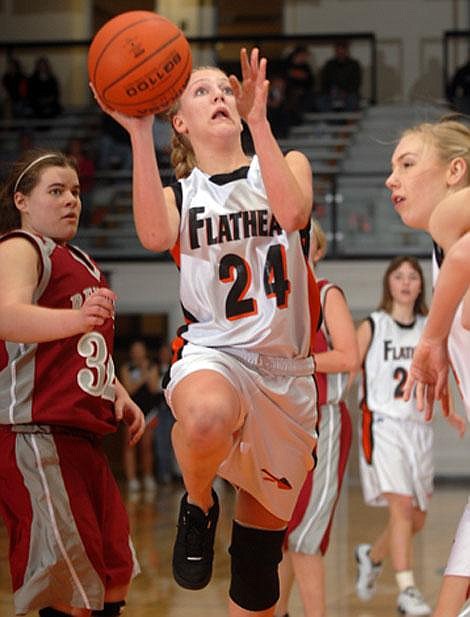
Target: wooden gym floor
(155, 594)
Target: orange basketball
(139, 63)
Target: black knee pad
(256, 554)
(110, 609)
(52, 612)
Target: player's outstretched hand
(252, 94)
(97, 308)
(129, 412)
(428, 374)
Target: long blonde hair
(450, 138)
(182, 158)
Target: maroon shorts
(67, 524)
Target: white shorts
(309, 529)
(396, 457)
(272, 450)
(459, 559)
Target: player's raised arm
(288, 179)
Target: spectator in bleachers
(114, 149)
(300, 83)
(86, 173)
(162, 135)
(341, 79)
(15, 85)
(277, 111)
(44, 91)
(458, 93)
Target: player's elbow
(157, 243)
(351, 361)
(295, 219)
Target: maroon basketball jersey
(68, 382)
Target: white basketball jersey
(386, 366)
(458, 343)
(244, 281)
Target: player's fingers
(261, 76)
(245, 65)
(408, 387)
(441, 386)
(136, 429)
(429, 402)
(445, 404)
(236, 86)
(254, 61)
(419, 395)
(107, 293)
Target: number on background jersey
(98, 378)
(234, 269)
(400, 374)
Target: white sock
(405, 579)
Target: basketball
(139, 62)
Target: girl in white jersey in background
(242, 387)
(430, 190)
(337, 362)
(396, 463)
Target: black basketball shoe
(193, 552)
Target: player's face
(418, 180)
(53, 207)
(207, 104)
(404, 284)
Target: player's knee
(110, 609)
(207, 428)
(256, 554)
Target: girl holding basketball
(241, 386)
(430, 186)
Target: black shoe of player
(193, 552)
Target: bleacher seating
(350, 157)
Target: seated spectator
(278, 114)
(458, 93)
(341, 78)
(44, 91)
(114, 149)
(86, 173)
(15, 84)
(162, 135)
(300, 82)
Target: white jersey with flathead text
(458, 344)
(243, 280)
(387, 364)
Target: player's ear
(178, 123)
(457, 171)
(19, 200)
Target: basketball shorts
(67, 525)
(309, 528)
(458, 563)
(398, 459)
(275, 436)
